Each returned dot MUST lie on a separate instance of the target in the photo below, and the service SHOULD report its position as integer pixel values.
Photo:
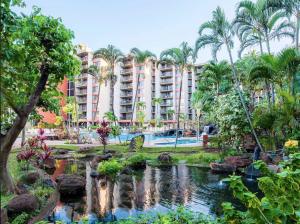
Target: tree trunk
(260, 46)
(237, 84)
(98, 97)
(7, 141)
(76, 111)
(23, 136)
(178, 109)
(297, 28)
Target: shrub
(202, 158)
(22, 218)
(43, 193)
(136, 159)
(104, 132)
(110, 168)
(139, 142)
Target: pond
(151, 190)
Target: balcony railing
(126, 71)
(81, 92)
(166, 96)
(126, 79)
(127, 94)
(126, 111)
(166, 67)
(166, 104)
(81, 84)
(125, 102)
(166, 81)
(126, 86)
(166, 89)
(166, 74)
(125, 117)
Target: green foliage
(21, 219)
(115, 130)
(136, 159)
(139, 142)
(5, 198)
(280, 203)
(42, 193)
(201, 158)
(110, 168)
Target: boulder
(22, 203)
(85, 149)
(238, 161)
(71, 185)
(30, 178)
(22, 188)
(164, 157)
(222, 168)
(62, 151)
(49, 163)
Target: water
(149, 138)
(150, 190)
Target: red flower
(26, 154)
(104, 132)
(45, 155)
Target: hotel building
(156, 81)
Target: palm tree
(290, 8)
(170, 113)
(217, 72)
(99, 73)
(111, 55)
(220, 32)
(179, 57)
(157, 102)
(258, 22)
(140, 57)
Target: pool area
(150, 139)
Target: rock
(22, 188)
(238, 161)
(222, 168)
(94, 174)
(109, 151)
(85, 149)
(4, 218)
(132, 145)
(164, 157)
(71, 185)
(22, 203)
(274, 168)
(251, 172)
(126, 170)
(30, 178)
(48, 182)
(62, 151)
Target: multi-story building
(162, 81)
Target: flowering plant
(104, 132)
(291, 146)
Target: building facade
(156, 81)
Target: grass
(191, 155)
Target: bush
(43, 193)
(202, 158)
(139, 142)
(110, 168)
(136, 159)
(21, 219)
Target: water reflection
(149, 190)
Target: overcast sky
(147, 24)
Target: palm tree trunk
(178, 109)
(76, 112)
(260, 46)
(237, 84)
(134, 102)
(268, 94)
(297, 28)
(23, 136)
(98, 97)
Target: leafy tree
(220, 33)
(36, 54)
(179, 57)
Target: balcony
(126, 71)
(127, 94)
(126, 79)
(166, 67)
(81, 84)
(190, 83)
(166, 81)
(81, 101)
(125, 111)
(167, 96)
(166, 75)
(128, 86)
(127, 63)
(167, 104)
(81, 92)
(125, 117)
(126, 102)
(166, 89)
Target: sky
(154, 25)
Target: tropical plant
(110, 168)
(115, 129)
(140, 58)
(157, 101)
(36, 55)
(217, 72)
(220, 33)
(181, 58)
(258, 21)
(103, 131)
(111, 55)
(280, 203)
(100, 74)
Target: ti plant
(104, 132)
